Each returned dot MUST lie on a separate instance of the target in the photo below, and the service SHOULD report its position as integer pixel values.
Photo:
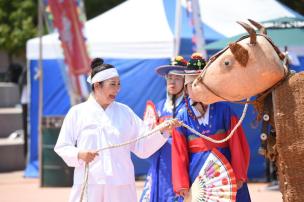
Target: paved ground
(15, 188)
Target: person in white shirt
(98, 123)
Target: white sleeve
(145, 147)
(65, 146)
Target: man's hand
(87, 156)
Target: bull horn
(239, 53)
(251, 32)
(260, 27)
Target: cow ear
(239, 53)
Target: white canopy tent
(140, 28)
(137, 36)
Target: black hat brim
(166, 69)
(186, 72)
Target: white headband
(103, 75)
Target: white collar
(93, 100)
(202, 120)
(168, 106)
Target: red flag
(66, 20)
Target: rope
(157, 128)
(283, 57)
(230, 134)
(84, 189)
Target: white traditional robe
(88, 127)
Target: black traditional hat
(195, 66)
(178, 64)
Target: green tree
(17, 25)
(97, 7)
(297, 5)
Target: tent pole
(198, 27)
(40, 105)
(177, 28)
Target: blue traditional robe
(189, 151)
(158, 185)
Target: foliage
(18, 19)
(96, 7)
(17, 24)
(297, 5)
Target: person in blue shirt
(190, 151)
(158, 185)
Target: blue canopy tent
(136, 37)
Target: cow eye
(227, 63)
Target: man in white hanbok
(98, 123)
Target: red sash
(200, 144)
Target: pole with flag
(177, 28)
(67, 20)
(196, 22)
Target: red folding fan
(150, 116)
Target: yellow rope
(157, 128)
(230, 134)
(84, 189)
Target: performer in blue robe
(158, 185)
(190, 151)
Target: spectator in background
(13, 73)
(24, 103)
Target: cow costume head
(245, 68)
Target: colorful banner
(66, 20)
(194, 15)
